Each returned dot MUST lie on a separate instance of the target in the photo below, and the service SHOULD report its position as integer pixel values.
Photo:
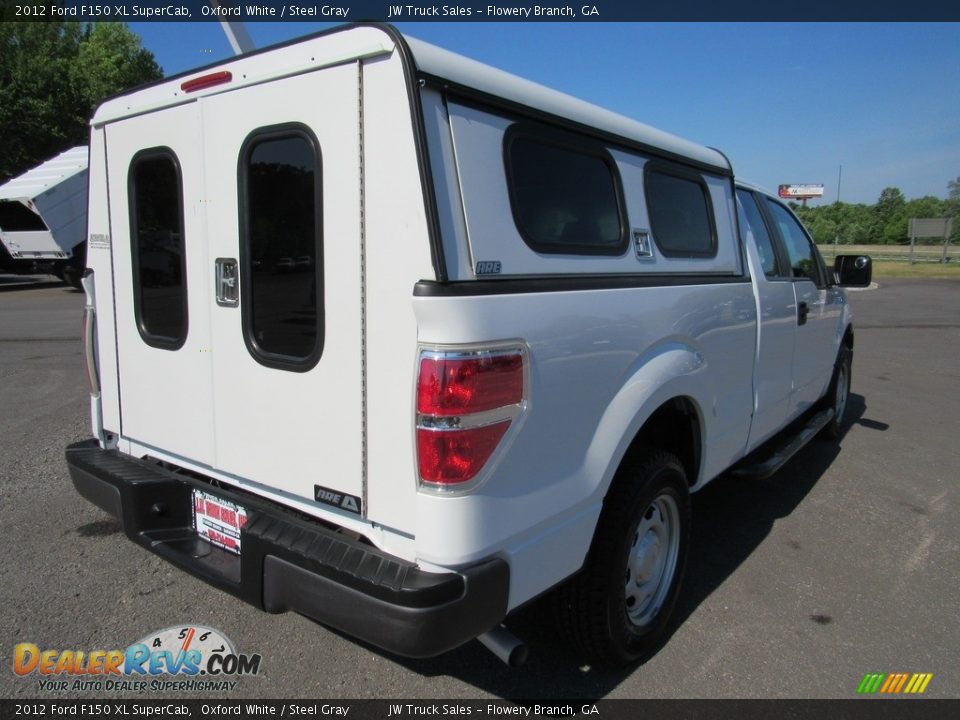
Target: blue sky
(788, 103)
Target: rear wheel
(838, 394)
(617, 608)
(73, 270)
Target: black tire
(838, 394)
(73, 272)
(595, 608)
(73, 276)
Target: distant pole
(913, 239)
(836, 237)
(236, 32)
(947, 231)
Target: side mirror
(853, 270)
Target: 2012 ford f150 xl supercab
(519, 331)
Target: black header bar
(480, 11)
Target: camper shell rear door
(283, 186)
(239, 331)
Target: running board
(765, 463)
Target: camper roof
(441, 64)
(349, 42)
(34, 183)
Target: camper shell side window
(565, 192)
(155, 191)
(680, 210)
(281, 246)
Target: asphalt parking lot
(845, 562)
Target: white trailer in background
(43, 213)
(43, 216)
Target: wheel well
(848, 337)
(674, 427)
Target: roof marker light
(205, 81)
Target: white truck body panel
(100, 262)
(318, 414)
(156, 385)
(776, 337)
(540, 504)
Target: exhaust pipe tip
(506, 646)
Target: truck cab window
(802, 254)
(281, 246)
(754, 220)
(159, 271)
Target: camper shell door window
(565, 192)
(157, 248)
(281, 246)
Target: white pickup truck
(384, 336)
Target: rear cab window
(159, 264)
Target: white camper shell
(43, 212)
(375, 333)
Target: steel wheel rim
(652, 560)
(840, 402)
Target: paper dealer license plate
(218, 521)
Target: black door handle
(802, 310)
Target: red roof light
(205, 81)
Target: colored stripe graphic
(894, 683)
(870, 683)
(918, 683)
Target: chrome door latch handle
(227, 282)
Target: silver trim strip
(89, 354)
(361, 159)
(468, 422)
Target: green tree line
(52, 77)
(884, 223)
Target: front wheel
(617, 608)
(838, 394)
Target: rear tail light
(466, 402)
